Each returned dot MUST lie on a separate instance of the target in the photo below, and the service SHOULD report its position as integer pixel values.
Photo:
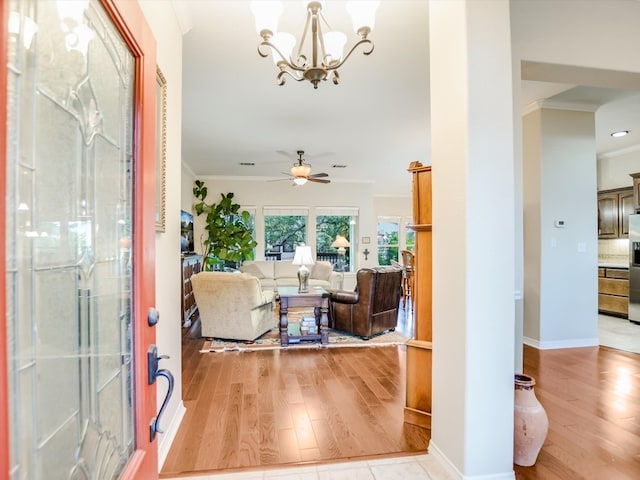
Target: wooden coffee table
(318, 298)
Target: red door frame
(129, 19)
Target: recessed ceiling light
(620, 133)
(247, 164)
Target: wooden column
(417, 410)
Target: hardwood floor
(279, 407)
(266, 408)
(592, 399)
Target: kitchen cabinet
(614, 207)
(613, 291)
(636, 191)
(191, 264)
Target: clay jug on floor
(530, 422)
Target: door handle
(153, 372)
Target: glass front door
(69, 224)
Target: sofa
(233, 305)
(372, 307)
(283, 273)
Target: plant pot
(531, 423)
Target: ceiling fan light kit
(301, 172)
(327, 49)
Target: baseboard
(166, 439)
(455, 474)
(554, 344)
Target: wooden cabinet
(191, 265)
(614, 207)
(420, 348)
(636, 192)
(613, 291)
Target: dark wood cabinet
(613, 291)
(614, 207)
(191, 265)
(636, 192)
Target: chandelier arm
(365, 52)
(281, 80)
(288, 63)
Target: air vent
(338, 166)
(247, 164)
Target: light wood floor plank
(259, 409)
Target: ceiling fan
(300, 172)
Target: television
(186, 232)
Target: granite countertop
(612, 264)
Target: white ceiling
(375, 122)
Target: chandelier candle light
(303, 258)
(326, 54)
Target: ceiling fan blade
(318, 180)
(318, 175)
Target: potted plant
(228, 236)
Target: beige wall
(257, 194)
(614, 170)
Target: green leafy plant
(228, 236)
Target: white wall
(161, 19)
(258, 193)
(473, 237)
(614, 170)
(560, 263)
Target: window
(388, 240)
(409, 236)
(330, 224)
(284, 228)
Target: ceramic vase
(530, 422)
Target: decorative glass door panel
(69, 217)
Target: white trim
(169, 435)
(555, 105)
(619, 152)
(337, 211)
(285, 211)
(554, 344)
(454, 473)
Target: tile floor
(619, 333)
(414, 467)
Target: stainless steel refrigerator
(634, 268)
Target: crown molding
(619, 152)
(555, 105)
(182, 16)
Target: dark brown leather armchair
(372, 307)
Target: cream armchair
(232, 305)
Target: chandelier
(325, 54)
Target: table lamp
(303, 258)
(341, 243)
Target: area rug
(271, 341)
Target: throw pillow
(252, 270)
(322, 271)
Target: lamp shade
(334, 43)
(284, 42)
(266, 15)
(303, 255)
(363, 14)
(340, 241)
